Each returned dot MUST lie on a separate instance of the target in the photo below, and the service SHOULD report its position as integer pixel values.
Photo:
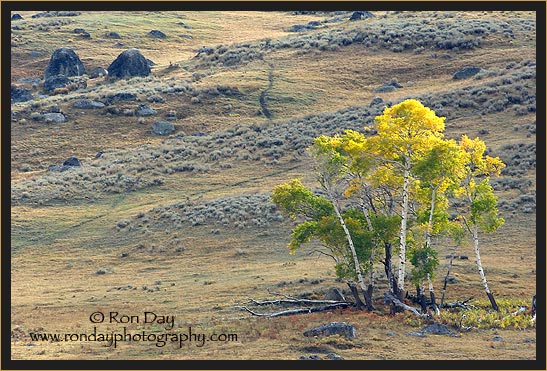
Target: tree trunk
(402, 235)
(432, 296)
(352, 248)
(446, 277)
(368, 298)
(420, 295)
(481, 271)
(355, 293)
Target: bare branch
(296, 311)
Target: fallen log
(296, 311)
(295, 301)
(459, 304)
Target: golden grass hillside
(183, 225)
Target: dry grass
(69, 228)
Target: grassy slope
(58, 246)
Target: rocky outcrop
(64, 61)
(128, 64)
(466, 72)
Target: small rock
(85, 35)
(113, 35)
(464, 257)
(312, 357)
(466, 72)
(386, 88)
(497, 338)
(124, 255)
(437, 329)
(144, 110)
(375, 101)
(358, 15)
(163, 128)
(78, 30)
(88, 104)
(54, 117)
(157, 33)
(123, 96)
(55, 82)
(333, 328)
(19, 94)
(72, 161)
(99, 154)
(334, 357)
(129, 63)
(101, 271)
(16, 17)
(98, 72)
(452, 279)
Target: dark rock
(64, 61)
(99, 154)
(35, 54)
(529, 340)
(386, 88)
(452, 279)
(497, 338)
(464, 257)
(53, 109)
(55, 82)
(163, 128)
(184, 25)
(157, 33)
(299, 28)
(123, 96)
(334, 357)
(375, 101)
(205, 50)
(19, 94)
(334, 293)
(113, 35)
(98, 72)
(88, 104)
(73, 161)
(101, 271)
(333, 328)
(54, 117)
(79, 30)
(85, 35)
(313, 24)
(314, 357)
(16, 17)
(358, 15)
(466, 72)
(437, 329)
(16, 28)
(129, 63)
(144, 110)
(150, 62)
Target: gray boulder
(375, 101)
(434, 329)
(55, 82)
(466, 72)
(88, 104)
(54, 117)
(143, 110)
(162, 128)
(19, 94)
(333, 328)
(98, 72)
(72, 161)
(157, 33)
(16, 17)
(334, 357)
(113, 35)
(358, 15)
(129, 63)
(386, 88)
(64, 61)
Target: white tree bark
(351, 246)
(478, 258)
(402, 236)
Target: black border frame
(7, 6)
